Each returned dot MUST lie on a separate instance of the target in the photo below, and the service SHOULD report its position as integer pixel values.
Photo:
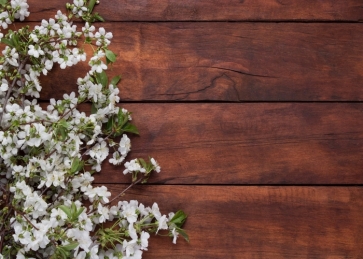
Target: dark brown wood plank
(206, 10)
(259, 222)
(232, 62)
(254, 143)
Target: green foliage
(179, 218)
(72, 212)
(119, 124)
(91, 5)
(102, 78)
(110, 56)
(64, 252)
(115, 80)
(178, 221)
(61, 130)
(77, 165)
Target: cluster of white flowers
(16, 9)
(48, 156)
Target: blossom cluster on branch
(49, 207)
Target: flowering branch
(50, 209)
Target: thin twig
(22, 214)
(132, 184)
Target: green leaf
(8, 42)
(63, 123)
(3, 2)
(102, 78)
(62, 252)
(70, 246)
(63, 133)
(110, 56)
(80, 166)
(183, 233)
(115, 80)
(108, 126)
(73, 209)
(78, 213)
(75, 165)
(98, 17)
(66, 210)
(122, 118)
(61, 130)
(91, 5)
(130, 128)
(16, 40)
(179, 218)
(142, 162)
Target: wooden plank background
(253, 109)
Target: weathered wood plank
(259, 222)
(254, 143)
(206, 10)
(232, 62)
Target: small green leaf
(179, 218)
(75, 165)
(79, 212)
(66, 210)
(102, 78)
(16, 40)
(183, 233)
(73, 209)
(91, 5)
(8, 42)
(70, 246)
(108, 126)
(64, 253)
(122, 118)
(142, 162)
(98, 17)
(63, 123)
(3, 2)
(130, 128)
(115, 80)
(110, 56)
(63, 132)
(80, 166)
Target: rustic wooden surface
(253, 109)
(259, 222)
(233, 62)
(209, 10)
(253, 143)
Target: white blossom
(50, 152)
(155, 164)
(35, 51)
(125, 145)
(4, 85)
(4, 20)
(133, 166)
(22, 9)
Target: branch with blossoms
(49, 207)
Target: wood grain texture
(231, 62)
(212, 153)
(222, 10)
(253, 143)
(258, 222)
